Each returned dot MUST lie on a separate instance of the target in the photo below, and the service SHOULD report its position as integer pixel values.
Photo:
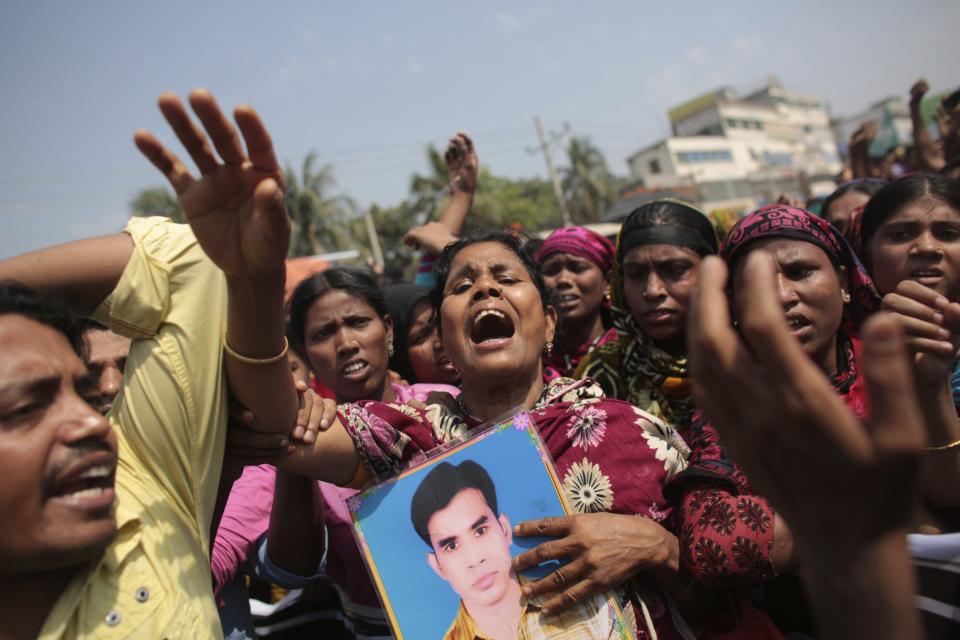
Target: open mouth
(444, 362)
(797, 323)
(491, 324)
(568, 300)
(354, 368)
(90, 489)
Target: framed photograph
(438, 543)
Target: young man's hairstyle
(441, 485)
(44, 308)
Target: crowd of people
(755, 428)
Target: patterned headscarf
(581, 242)
(783, 221)
(632, 367)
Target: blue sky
(368, 85)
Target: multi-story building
(737, 151)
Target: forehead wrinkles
(331, 306)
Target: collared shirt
(593, 619)
(153, 581)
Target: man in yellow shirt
(141, 568)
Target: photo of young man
(454, 510)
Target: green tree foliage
(156, 201)
(588, 185)
(322, 221)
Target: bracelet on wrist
(257, 361)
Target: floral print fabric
(725, 529)
(608, 455)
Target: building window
(732, 123)
(697, 157)
(654, 166)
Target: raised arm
(846, 491)
(462, 168)
(236, 211)
(83, 273)
(926, 153)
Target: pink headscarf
(581, 242)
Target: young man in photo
(454, 511)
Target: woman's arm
(927, 154)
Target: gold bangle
(945, 447)
(257, 361)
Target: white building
(894, 127)
(740, 151)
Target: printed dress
(609, 455)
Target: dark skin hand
(605, 550)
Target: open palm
(236, 207)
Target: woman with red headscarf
(576, 264)
(728, 533)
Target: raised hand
(932, 327)
(845, 490)
(917, 91)
(236, 207)
(462, 164)
(780, 418)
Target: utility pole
(554, 178)
(374, 238)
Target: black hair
(441, 485)
(900, 193)
(516, 244)
(45, 308)
(353, 281)
(401, 300)
(680, 222)
(866, 186)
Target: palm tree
(321, 220)
(428, 191)
(587, 182)
(156, 201)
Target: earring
(607, 298)
(390, 350)
(845, 297)
(548, 349)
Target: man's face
(58, 454)
(472, 549)
(107, 359)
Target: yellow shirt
(154, 580)
(593, 619)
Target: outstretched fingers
(163, 159)
(189, 134)
(221, 131)
(259, 144)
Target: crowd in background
(755, 424)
